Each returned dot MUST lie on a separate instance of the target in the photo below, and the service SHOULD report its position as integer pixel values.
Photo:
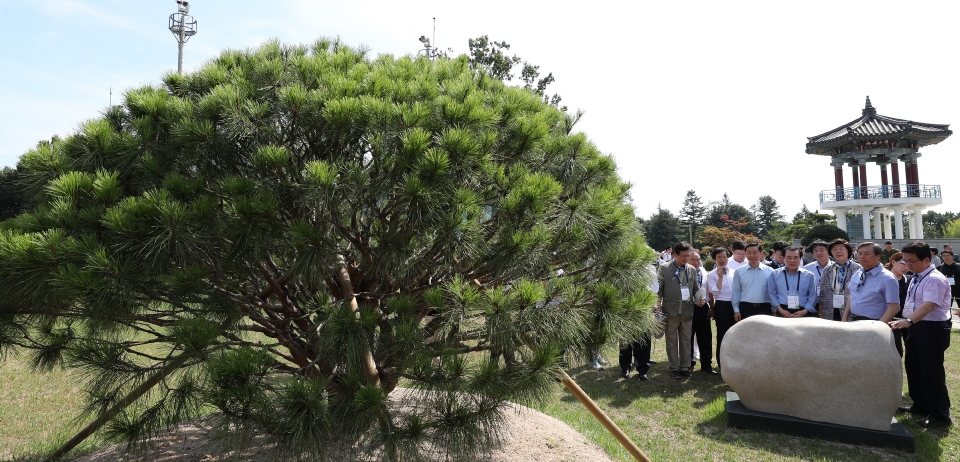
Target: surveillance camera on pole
(428, 49)
(183, 27)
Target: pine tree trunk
(346, 288)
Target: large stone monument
(845, 373)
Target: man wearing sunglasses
(875, 293)
(926, 313)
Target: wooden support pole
(120, 406)
(603, 418)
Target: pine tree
(287, 233)
(693, 211)
(11, 196)
(766, 213)
(662, 229)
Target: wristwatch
(909, 320)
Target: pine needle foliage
(301, 229)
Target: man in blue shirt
(793, 290)
(750, 294)
(874, 291)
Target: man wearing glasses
(926, 313)
(951, 270)
(875, 295)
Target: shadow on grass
(704, 398)
(621, 393)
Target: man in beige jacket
(678, 287)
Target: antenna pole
(183, 27)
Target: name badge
(908, 307)
(951, 281)
(839, 300)
(793, 301)
(818, 290)
(685, 293)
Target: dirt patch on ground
(529, 436)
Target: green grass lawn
(38, 410)
(685, 420)
(669, 419)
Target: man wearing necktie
(675, 299)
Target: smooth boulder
(846, 373)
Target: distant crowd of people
(912, 290)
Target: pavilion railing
(880, 192)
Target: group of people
(903, 289)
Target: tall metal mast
(183, 27)
(429, 50)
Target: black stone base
(739, 416)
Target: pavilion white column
(919, 219)
(865, 214)
(877, 225)
(898, 218)
(841, 218)
(885, 218)
(913, 226)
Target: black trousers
(899, 338)
(923, 361)
(753, 309)
(639, 352)
(723, 316)
(704, 335)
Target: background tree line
(721, 222)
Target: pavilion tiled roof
(873, 130)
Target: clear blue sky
(711, 96)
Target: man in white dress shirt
(739, 259)
(821, 258)
(701, 344)
(720, 286)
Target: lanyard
(915, 283)
(788, 281)
(819, 271)
(686, 276)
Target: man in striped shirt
(926, 313)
